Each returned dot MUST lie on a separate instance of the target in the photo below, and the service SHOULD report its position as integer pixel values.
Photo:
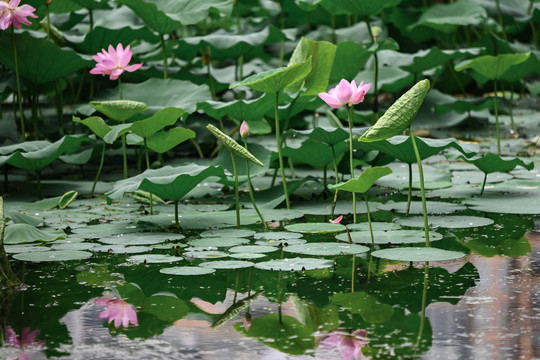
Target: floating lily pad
(326, 249)
(315, 228)
(210, 254)
(227, 264)
(187, 270)
(294, 264)
(281, 242)
(390, 237)
(418, 254)
(247, 256)
(433, 207)
(255, 249)
(277, 235)
(121, 249)
(73, 246)
(448, 222)
(515, 204)
(375, 225)
(141, 239)
(24, 233)
(154, 258)
(237, 233)
(53, 255)
(475, 177)
(218, 242)
(97, 231)
(15, 249)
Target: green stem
(251, 191)
(91, 18)
(148, 167)
(333, 24)
(350, 118)
(511, 105)
(38, 178)
(497, 128)
(236, 196)
(210, 79)
(18, 78)
(197, 148)
(282, 44)
(337, 180)
(409, 197)
(165, 66)
(369, 222)
(176, 214)
(48, 21)
(280, 156)
(120, 89)
(483, 184)
(499, 15)
(99, 169)
(422, 191)
(424, 304)
(375, 74)
(353, 272)
(59, 107)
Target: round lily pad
(73, 246)
(315, 228)
(326, 249)
(418, 254)
(294, 264)
(477, 177)
(515, 204)
(15, 249)
(247, 256)
(218, 242)
(168, 246)
(154, 258)
(205, 254)
(227, 233)
(97, 231)
(227, 264)
(376, 226)
(433, 207)
(448, 222)
(121, 249)
(141, 239)
(277, 235)
(390, 237)
(255, 249)
(280, 242)
(187, 270)
(53, 255)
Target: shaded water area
(485, 305)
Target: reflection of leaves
(490, 247)
(234, 309)
(368, 306)
(166, 307)
(287, 335)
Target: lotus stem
(369, 222)
(353, 271)
(210, 79)
(99, 169)
(351, 114)
(375, 74)
(499, 15)
(251, 191)
(514, 127)
(148, 167)
(236, 196)
(422, 191)
(91, 19)
(409, 196)
(424, 304)
(483, 184)
(165, 66)
(280, 156)
(38, 178)
(176, 214)
(18, 78)
(120, 88)
(497, 128)
(337, 180)
(8, 277)
(369, 267)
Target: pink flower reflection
(349, 344)
(345, 93)
(337, 220)
(25, 343)
(114, 62)
(14, 14)
(118, 310)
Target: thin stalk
(210, 79)
(120, 88)
(34, 105)
(91, 18)
(424, 304)
(409, 196)
(282, 44)
(369, 222)
(236, 196)
(251, 192)
(165, 66)
(17, 76)
(514, 127)
(48, 20)
(59, 108)
(483, 184)
(197, 148)
(422, 191)
(375, 74)
(124, 151)
(499, 15)
(176, 214)
(99, 169)
(337, 180)
(333, 24)
(148, 167)
(350, 118)
(38, 178)
(280, 156)
(353, 273)
(497, 128)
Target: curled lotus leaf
(232, 145)
(119, 110)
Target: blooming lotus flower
(113, 62)
(337, 220)
(118, 310)
(14, 14)
(25, 343)
(349, 345)
(244, 130)
(345, 93)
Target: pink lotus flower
(244, 130)
(345, 93)
(118, 310)
(25, 343)
(349, 345)
(247, 321)
(113, 62)
(14, 14)
(337, 220)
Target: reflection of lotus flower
(14, 14)
(345, 93)
(118, 310)
(25, 342)
(337, 220)
(349, 345)
(247, 321)
(113, 62)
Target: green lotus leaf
(368, 306)
(493, 67)
(350, 58)
(364, 182)
(163, 141)
(418, 254)
(119, 110)
(96, 124)
(67, 199)
(294, 264)
(171, 183)
(260, 152)
(498, 246)
(154, 258)
(315, 154)
(99, 37)
(233, 146)
(330, 136)
(218, 242)
(389, 237)
(253, 249)
(242, 233)
(447, 18)
(399, 116)
(361, 8)
(315, 228)
(491, 163)
(448, 222)
(161, 119)
(428, 59)
(326, 249)
(53, 255)
(238, 110)
(227, 264)
(40, 60)
(24, 233)
(187, 270)
(276, 80)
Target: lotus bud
(247, 321)
(244, 130)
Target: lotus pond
(257, 179)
